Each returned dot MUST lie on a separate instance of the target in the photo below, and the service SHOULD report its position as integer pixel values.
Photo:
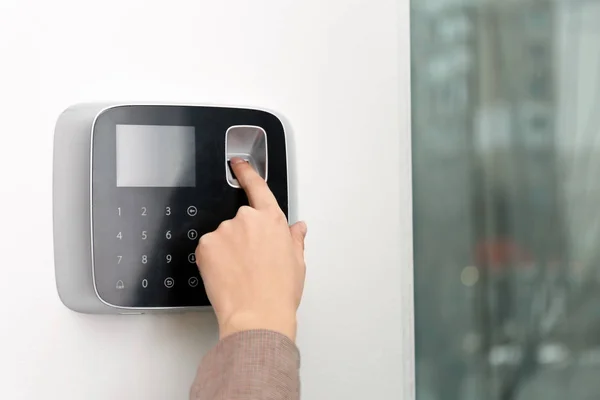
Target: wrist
(283, 323)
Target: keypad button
(192, 211)
(192, 234)
(147, 234)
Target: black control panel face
(158, 184)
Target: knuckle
(279, 216)
(225, 226)
(245, 212)
(204, 243)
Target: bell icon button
(120, 285)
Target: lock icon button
(120, 285)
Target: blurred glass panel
(506, 164)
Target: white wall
(337, 69)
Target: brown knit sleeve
(250, 365)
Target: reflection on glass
(506, 163)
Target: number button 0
(145, 283)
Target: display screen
(156, 156)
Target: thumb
(298, 232)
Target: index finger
(257, 190)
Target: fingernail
(236, 160)
(303, 227)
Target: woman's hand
(253, 265)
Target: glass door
(506, 194)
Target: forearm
(250, 365)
